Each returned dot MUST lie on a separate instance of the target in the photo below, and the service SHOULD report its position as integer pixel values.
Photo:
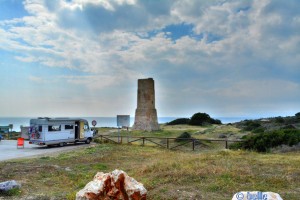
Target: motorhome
(59, 131)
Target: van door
(81, 128)
(77, 130)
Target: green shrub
(11, 192)
(236, 145)
(251, 125)
(263, 142)
(97, 140)
(289, 126)
(182, 136)
(279, 120)
(200, 119)
(259, 130)
(179, 121)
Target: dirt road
(8, 149)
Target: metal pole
(118, 135)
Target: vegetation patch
(10, 193)
(166, 174)
(179, 121)
(263, 142)
(183, 136)
(198, 119)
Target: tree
(179, 121)
(199, 119)
(298, 115)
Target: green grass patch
(166, 174)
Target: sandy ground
(9, 150)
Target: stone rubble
(114, 185)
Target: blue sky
(83, 57)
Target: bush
(259, 130)
(184, 135)
(298, 115)
(11, 192)
(263, 142)
(200, 119)
(251, 125)
(179, 121)
(215, 121)
(279, 120)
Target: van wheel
(88, 141)
(61, 144)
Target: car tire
(88, 141)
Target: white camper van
(59, 131)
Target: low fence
(169, 143)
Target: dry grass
(210, 131)
(166, 174)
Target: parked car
(1, 137)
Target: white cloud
(36, 79)
(234, 45)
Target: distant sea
(103, 121)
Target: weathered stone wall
(145, 114)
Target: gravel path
(8, 149)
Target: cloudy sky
(228, 58)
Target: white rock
(8, 185)
(115, 185)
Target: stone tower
(145, 114)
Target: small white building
(25, 132)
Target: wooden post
(193, 144)
(121, 139)
(167, 143)
(226, 144)
(143, 141)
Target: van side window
(86, 127)
(68, 127)
(54, 128)
(40, 128)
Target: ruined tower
(145, 114)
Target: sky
(228, 58)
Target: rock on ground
(114, 185)
(8, 185)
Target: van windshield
(86, 127)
